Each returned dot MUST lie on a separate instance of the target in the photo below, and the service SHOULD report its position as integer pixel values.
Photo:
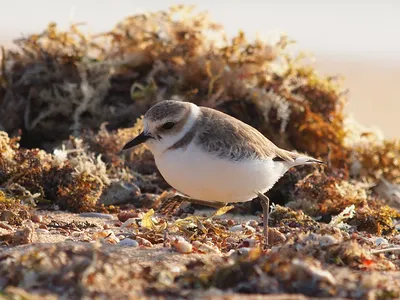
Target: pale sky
(342, 28)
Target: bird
(210, 156)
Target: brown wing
(223, 136)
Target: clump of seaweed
(379, 160)
(36, 177)
(146, 58)
(323, 196)
(284, 216)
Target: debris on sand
(79, 218)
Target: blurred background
(358, 40)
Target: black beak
(141, 138)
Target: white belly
(208, 178)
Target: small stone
(253, 223)
(237, 228)
(106, 226)
(230, 222)
(181, 245)
(128, 242)
(206, 248)
(40, 230)
(275, 236)
(119, 193)
(327, 240)
(37, 218)
(95, 215)
(129, 222)
(106, 236)
(43, 226)
(125, 215)
(381, 241)
(144, 242)
(241, 227)
(23, 236)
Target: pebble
(95, 215)
(230, 222)
(106, 236)
(181, 245)
(236, 228)
(40, 230)
(129, 242)
(240, 227)
(144, 242)
(43, 226)
(37, 218)
(206, 248)
(253, 223)
(327, 240)
(128, 222)
(275, 236)
(125, 215)
(381, 241)
(119, 193)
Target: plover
(213, 157)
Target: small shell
(181, 245)
(144, 242)
(206, 248)
(43, 226)
(129, 222)
(125, 215)
(106, 236)
(252, 223)
(236, 228)
(241, 227)
(128, 242)
(37, 218)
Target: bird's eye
(168, 125)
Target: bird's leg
(264, 200)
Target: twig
(391, 249)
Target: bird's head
(164, 124)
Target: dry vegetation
(79, 98)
